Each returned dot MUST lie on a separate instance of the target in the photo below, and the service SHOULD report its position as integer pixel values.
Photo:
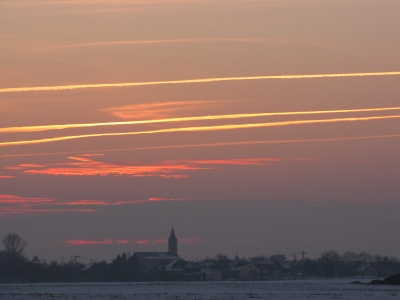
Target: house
(211, 275)
(246, 271)
(150, 260)
(208, 263)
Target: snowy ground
(297, 289)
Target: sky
(253, 127)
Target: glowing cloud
(186, 81)
(200, 129)
(12, 204)
(166, 169)
(88, 167)
(19, 199)
(143, 241)
(83, 242)
(155, 111)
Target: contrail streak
(222, 144)
(170, 41)
(198, 128)
(183, 119)
(204, 80)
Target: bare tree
(349, 257)
(14, 244)
(330, 260)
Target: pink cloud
(124, 241)
(159, 110)
(13, 204)
(83, 166)
(31, 166)
(20, 199)
(240, 161)
(83, 242)
(169, 169)
(144, 241)
(88, 202)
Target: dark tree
(330, 260)
(13, 243)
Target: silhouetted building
(247, 271)
(151, 260)
(173, 243)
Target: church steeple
(173, 243)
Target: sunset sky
(251, 126)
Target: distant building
(247, 271)
(150, 260)
(173, 243)
(211, 275)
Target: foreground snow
(306, 289)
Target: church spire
(173, 243)
(172, 235)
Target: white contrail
(184, 119)
(221, 144)
(204, 80)
(197, 129)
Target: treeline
(331, 264)
(15, 267)
(351, 264)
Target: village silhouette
(15, 267)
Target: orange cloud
(31, 166)
(83, 166)
(7, 177)
(157, 110)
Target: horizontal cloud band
(222, 144)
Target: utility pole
(303, 252)
(75, 257)
(294, 256)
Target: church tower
(173, 243)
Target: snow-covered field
(297, 289)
